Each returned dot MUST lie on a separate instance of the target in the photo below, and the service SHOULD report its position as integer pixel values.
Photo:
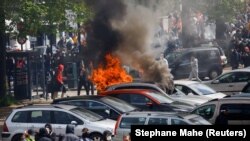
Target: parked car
(176, 95)
(149, 100)
(36, 116)
(238, 110)
(197, 88)
(246, 89)
(108, 107)
(123, 124)
(230, 82)
(209, 62)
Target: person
(194, 69)
(235, 59)
(163, 60)
(43, 135)
(107, 135)
(90, 83)
(58, 82)
(70, 136)
(85, 135)
(29, 135)
(83, 80)
(51, 133)
(246, 57)
(222, 118)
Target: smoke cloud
(127, 30)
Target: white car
(36, 116)
(230, 82)
(197, 89)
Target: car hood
(196, 119)
(216, 95)
(108, 124)
(191, 99)
(180, 106)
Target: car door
(62, 118)
(38, 118)
(230, 82)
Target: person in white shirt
(163, 60)
(194, 69)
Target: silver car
(230, 82)
(123, 125)
(36, 116)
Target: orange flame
(111, 74)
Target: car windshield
(88, 115)
(160, 97)
(203, 89)
(119, 104)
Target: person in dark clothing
(222, 118)
(235, 59)
(51, 133)
(43, 135)
(85, 134)
(90, 83)
(246, 57)
(70, 136)
(107, 136)
(83, 80)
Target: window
(158, 121)
(65, 118)
(206, 112)
(139, 99)
(20, 116)
(128, 121)
(227, 78)
(237, 111)
(125, 97)
(40, 116)
(242, 77)
(178, 122)
(95, 105)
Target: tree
(31, 16)
(2, 52)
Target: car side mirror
(74, 123)
(149, 104)
(107, 111)
(216, 82)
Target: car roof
(240, 70)
(197, 49)
(48, 106)
(127, 91)
(132, 84)
(186, 82)
(231, 98)
(89, 97)
(150, 113)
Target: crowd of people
(47, 133)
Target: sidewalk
(4, 111)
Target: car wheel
(213, 74)
(17, 137)
(96, 136)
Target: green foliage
(48, 16)
(7, 100)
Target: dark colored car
(149, 100)
(209, 62)
(108, 107)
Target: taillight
(117, 124)
(5, 128)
